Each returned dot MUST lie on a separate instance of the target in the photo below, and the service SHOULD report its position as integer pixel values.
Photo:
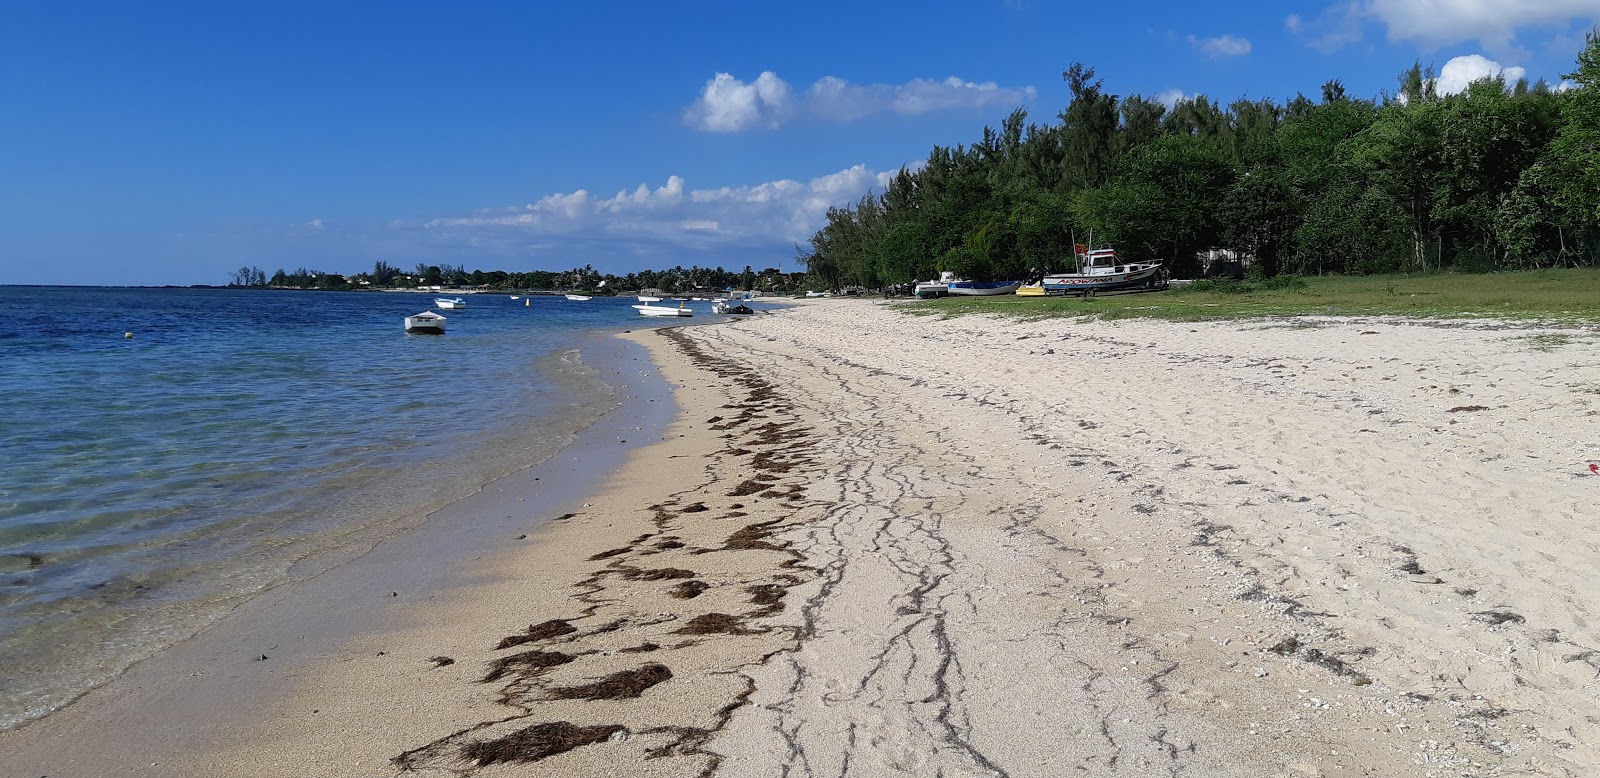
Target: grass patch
(1548, 295)
(1547, 342)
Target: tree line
(387, 276)
(1498, 176)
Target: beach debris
(642, 648)
(527, 663)
(659, 574)
(534, 743)
(1594, 468)
(1495, 618)
(688, 590)
(1468, 408)
(261, 658)
(441, 661)
(713, 624)
(626, 684)
(542, 631)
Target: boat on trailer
(1099, 271)
(426, 323)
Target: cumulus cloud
(1222, 45)
(773, 214)
(1461, 71)
(1566, 86)
(729, 105)
(1435, 23)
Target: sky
(164, 142)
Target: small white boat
(579, 297)
(648, 299)
(719, 306)
(928, 290)
(662, 310)
(514, 297)
(819, 294)
(427, 322)
(450, 303)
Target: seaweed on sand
(616, 686)
(537, 742)
(544, 630)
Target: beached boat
(662, 310)
(450, 303)
(427, 322)
(982, 289)
(927, 290)
(819, 294)
(1035, 289)
(579, 297)
(1099, 271)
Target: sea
(169, 452)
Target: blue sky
(171, 143)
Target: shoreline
(874, 543)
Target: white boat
(450, 303)
(1099, 271)
(426, 322)
(648, 299)
(928, 290)
(819, 294)
(719, 306)
(974, 288)
(662, 310)
(579, 297)
(514, 297)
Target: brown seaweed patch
(1468, 408)
(698, 507)
(441, 661)
(608, 554)
(545, 630)
(626, 684)
(753, 536)
(713, 624)
(642, 648)
(540, 741)
(746, 488)
(657, 574)
(688, 590)
(766, 594)
(668, 545)
(527, 663)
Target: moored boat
(579, 297)
(662, 310)
(644, 298)
(450, 303)
(427, 323)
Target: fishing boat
(450, 303)
(663, 310)
(983, 289)
(427, 322)
(579, 297)
(1100, 271)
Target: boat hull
(974, 289)
(1076, 283)
(928, 290)
(578, 297)
(662, 311)
(450, 305)
(425, 324)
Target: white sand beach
(879, 544)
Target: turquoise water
(241, 438)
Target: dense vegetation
(1499, 176)
(387, 276)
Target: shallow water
(240, 438)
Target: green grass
(1568, 296)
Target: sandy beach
(879, 544)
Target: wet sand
(877, 544)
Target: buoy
(526, 303)
(127, 336)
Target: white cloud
(1566, 86)
(1293, 23)
(1435, 23)
(667, 218)
(1461, 71)
(729, 105)
(1171, 97)
(1222, 45)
